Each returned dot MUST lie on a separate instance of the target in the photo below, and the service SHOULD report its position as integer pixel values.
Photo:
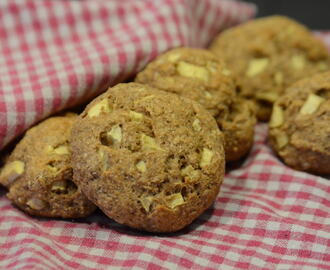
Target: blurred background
(313, 13)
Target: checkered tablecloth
(55, 54)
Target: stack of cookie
(277, 60)
(151, 154)
(147, 158)
(267, 55)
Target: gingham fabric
(267, 216)
(56, 54)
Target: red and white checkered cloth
(54, 54)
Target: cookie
(238, 128)
(148, 159)
(38, 172)
(199, 75)
(299, 129)
(267, 55)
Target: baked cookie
(38, 172)
(238, 128)
(299, 129)
(148, 159)
(199, 75)
(269, 54)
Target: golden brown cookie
(38, 172)
(199, 75)
(267, 55)
(148, 159)
(299, 129)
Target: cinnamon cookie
(299, 129)
(148, 159)
(38, 172)
(198, 74)
(269, 54)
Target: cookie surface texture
(267, 55)
(300, 125)
(199, 75)
(38, 172)
(147, 158)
